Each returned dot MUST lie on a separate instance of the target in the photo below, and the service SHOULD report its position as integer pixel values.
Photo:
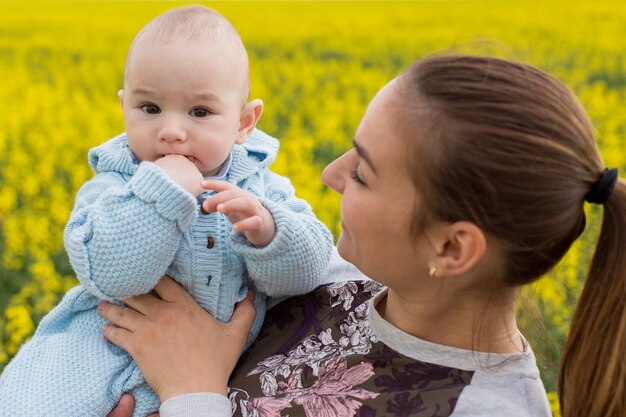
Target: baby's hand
(183, 172)
(244, 210)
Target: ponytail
(592, 378)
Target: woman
(467, 180)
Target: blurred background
(315, 65)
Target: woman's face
(378, 195)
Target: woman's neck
(454, 322)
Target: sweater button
(201, 199)
(210, 242)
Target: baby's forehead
(185, 48)
(194, 28)
(191, 27)
(218, 47)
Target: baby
(190, 148)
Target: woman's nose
(335, 173)
(173, 130)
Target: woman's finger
(243, 317)
(118, 336)
(144, 303)
(124, 408)
(170, 291)
(123, 317)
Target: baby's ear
(250, 115)
(120, 94)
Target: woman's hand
(125, 408)
(179, 347)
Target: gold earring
(432, 271)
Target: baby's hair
(194, 24)
(509, 148)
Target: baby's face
(181, 99)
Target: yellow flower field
(315, 65)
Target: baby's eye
(150, 109)
(200, 112)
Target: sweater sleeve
(198, 404)
(122, 236)
(295, 261)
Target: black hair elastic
(602, 189)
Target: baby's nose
(173, 130)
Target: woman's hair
(509, 148)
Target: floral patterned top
(330, 354)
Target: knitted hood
(259, 150)
(113, 155)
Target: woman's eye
(200, 112)
(150, 109)
(355, 176)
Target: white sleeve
(340, 270)
(491, 394)
(197, 404)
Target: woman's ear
(120, 94)
(459, 246)
(250, 115)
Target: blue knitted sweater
(130, 225)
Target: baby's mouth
(189, 157)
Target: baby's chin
(208, 172)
